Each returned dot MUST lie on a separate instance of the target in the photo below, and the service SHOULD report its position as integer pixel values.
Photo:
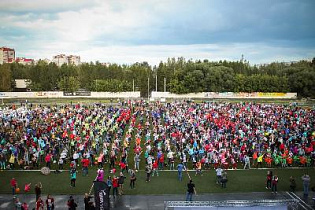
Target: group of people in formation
(155, 136)
(200, 134)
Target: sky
(129, 31)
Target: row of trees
(181, 76)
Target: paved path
(152, 202)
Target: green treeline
(180, 76)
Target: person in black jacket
(87, 201)
(71, 204)
(190, 190)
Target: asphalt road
(158, 202)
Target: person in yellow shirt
(260, 160)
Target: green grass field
(167, 183)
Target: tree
(5, 77)
(69, 84)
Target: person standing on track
(190, 190)
(306, 182)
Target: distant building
(21, 85)
(25, 61)
(105, 64)
(61, 59)
(74, 60)
(46, 60)
(7, 55)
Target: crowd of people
(206, 134)
(135, 135)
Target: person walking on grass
(219, 174)
(121, 181)
(109, 183)
(268, 180)
(224, 179)
(13, 184)
(190, 190)
(155, 169)
(148, 172)
(73, 177)
(180, 168)
(38, 190)
(115, 186)
(133, 179)
(292, 184)
(274, 184)
(198, 168)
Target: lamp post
(156, 83)
(164, 84)
(148, 88)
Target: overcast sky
(128, 31)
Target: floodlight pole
(156, 82)
(148, 88)
(164, 84)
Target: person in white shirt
(76, 157)
(219, 174)
(246, 162)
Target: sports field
(166, 183)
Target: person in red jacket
(161, 162)
(155, 168)
(115, 186)
(48, 160)
(13, 184)
(85, 166)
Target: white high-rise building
(74, 60)
(61, 59)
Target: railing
(291, 203)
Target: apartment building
(74, 60)
(7, 55)
(25, 61)
(61, 59)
